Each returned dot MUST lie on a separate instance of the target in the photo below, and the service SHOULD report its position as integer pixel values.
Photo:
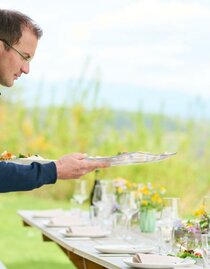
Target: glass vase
(147, 220)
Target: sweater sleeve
(16, 177)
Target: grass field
(22, 247)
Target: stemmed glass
(205, 240)
(169, 216)
(128, 206)
(80, 192)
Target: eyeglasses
(25, 58)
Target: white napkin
(155, 259)
(48, 213)
(89, 231)
(65, 221)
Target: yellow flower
(151, 195)
(160, 200)
(128, 184)
(144, 203)
(145, 190)
(155, 197)
(200, 212)
(189, 224)
(120, 190)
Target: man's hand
(72, 166)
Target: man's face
(12, 65)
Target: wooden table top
(85, 248)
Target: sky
(145, 49)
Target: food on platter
(7, 156)
(22, 158)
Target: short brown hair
(13, 22)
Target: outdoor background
(109, 77)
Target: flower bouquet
(122, 186)
(151, 197)
(151, 201)
(187, 235)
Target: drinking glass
(165, 238)
(168, 217)
(170, 211)
(118, 224)
(94, 215)
(205, 240)
(128, 206)
(104, 201)
(80, 193)
(108, 184)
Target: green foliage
(80, 127)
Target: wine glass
(80, 192)
(205, 240)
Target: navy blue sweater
(17, 177)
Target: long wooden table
(82, 252)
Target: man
(18, 41)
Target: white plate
(86, 235)
(89, 235)
(185, 263)
(127, 249)
(28, 160)
(64, 224)
(48, 213)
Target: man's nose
(25, 68)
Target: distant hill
(169, 102)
